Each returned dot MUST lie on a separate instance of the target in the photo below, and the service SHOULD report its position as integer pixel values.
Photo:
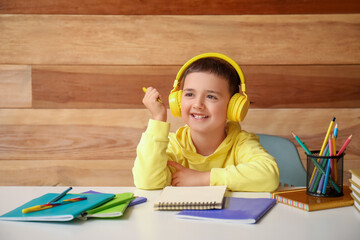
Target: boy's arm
(150, 169)
(188, 177)
(256, 170)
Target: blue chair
(292, 171)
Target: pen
(144, 90)
(58, 197)
(51, 205)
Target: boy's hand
(188, 177)
(157, 108)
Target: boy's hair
(218, 67)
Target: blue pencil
(320, 184)
(326, 176)
(61, 195)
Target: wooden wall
(71, 74)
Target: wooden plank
(129, 7)
(67, 173)
(161, 40)
(126, 118)
(77, 134)
(82, 86)
(327, 86)
(97, 86)
(84, 173)
(67, 142)
(15, 85)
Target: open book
(179, 198)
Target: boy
(209, 149)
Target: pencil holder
(324, 176)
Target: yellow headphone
(238, 104)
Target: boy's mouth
(199, 116)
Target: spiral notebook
(180, 198)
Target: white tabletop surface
(142, 222)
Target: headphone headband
(206, 55)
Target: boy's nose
(199, 103)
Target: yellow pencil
(144, 90)
(37, 208)
(327, 136)
(324, 144)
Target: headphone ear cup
(175, 103)
(237, 108)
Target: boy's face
(204, 102)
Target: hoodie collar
(183, 137)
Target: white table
(142, 222)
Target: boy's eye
(212, 97)
(189, 94)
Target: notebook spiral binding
(186, 205)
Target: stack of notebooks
(95, 205)
(355, 187)
(210, 203)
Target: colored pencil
(328, 168)
(335, 160)
(331, 153)
(327, 136)
(336, 130)
(58, 197)
(144, 90)
(301, 143)
(342, 149)
(53, 204)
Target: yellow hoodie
(240, 162)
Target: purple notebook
(236, 210)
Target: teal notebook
(65, 212)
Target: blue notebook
(236, 210)
(65, 212)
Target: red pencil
(342, 149)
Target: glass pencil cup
(324, 176)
